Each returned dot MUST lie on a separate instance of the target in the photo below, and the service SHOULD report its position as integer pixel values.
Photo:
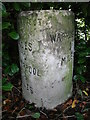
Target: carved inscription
(28, 87)
(63, 60)
(31, 69)
(34, 71)
(30, 46)
(56, 37)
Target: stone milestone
(46, 49)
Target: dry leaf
(74, 103)
(85, 92)
(7, 101)
(65, 105)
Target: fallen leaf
(7, 108)
(79, 116)
(74, 103)
(6, 101)
(54, 110)
(84, 102)
(36, 115)
(85, 92)
(65, 105)
(87, 89)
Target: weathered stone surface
(46, 49)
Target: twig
(11, 117)
(88, 99)
(64, 117)
(23, 116)
(58, 116)
(63, 112)
(66, 108)
(44, 114)
(3, 111)
(20, 111)
(17, 89)
(83, 101)
(88, 82)
(68, 116)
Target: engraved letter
(30, 69)
(30, 47)
(34, 71)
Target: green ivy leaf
(5, 25)
(4, 81)
(27, 5)
(4, 12)
(3, 8)
(11, 70)
(76, 77)
(7, 87)
(80, 69)
(80, 93)
(14, 35)
(87, 51)
(82, 78)
(79, 116)
(36, 115)
(14, 68)
(7, 70)
(81, 60)
(17, 6)
(79, 77)
(30, 107)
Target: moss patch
(68, 79)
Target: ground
(15, 107)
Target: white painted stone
(46, 49)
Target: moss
(46, 14)
(27, 24)
(32, 21)
(68, 23)
(68, 78)
(54, 22)
(23, 30)
(37, 45)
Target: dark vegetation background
(14, 105)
